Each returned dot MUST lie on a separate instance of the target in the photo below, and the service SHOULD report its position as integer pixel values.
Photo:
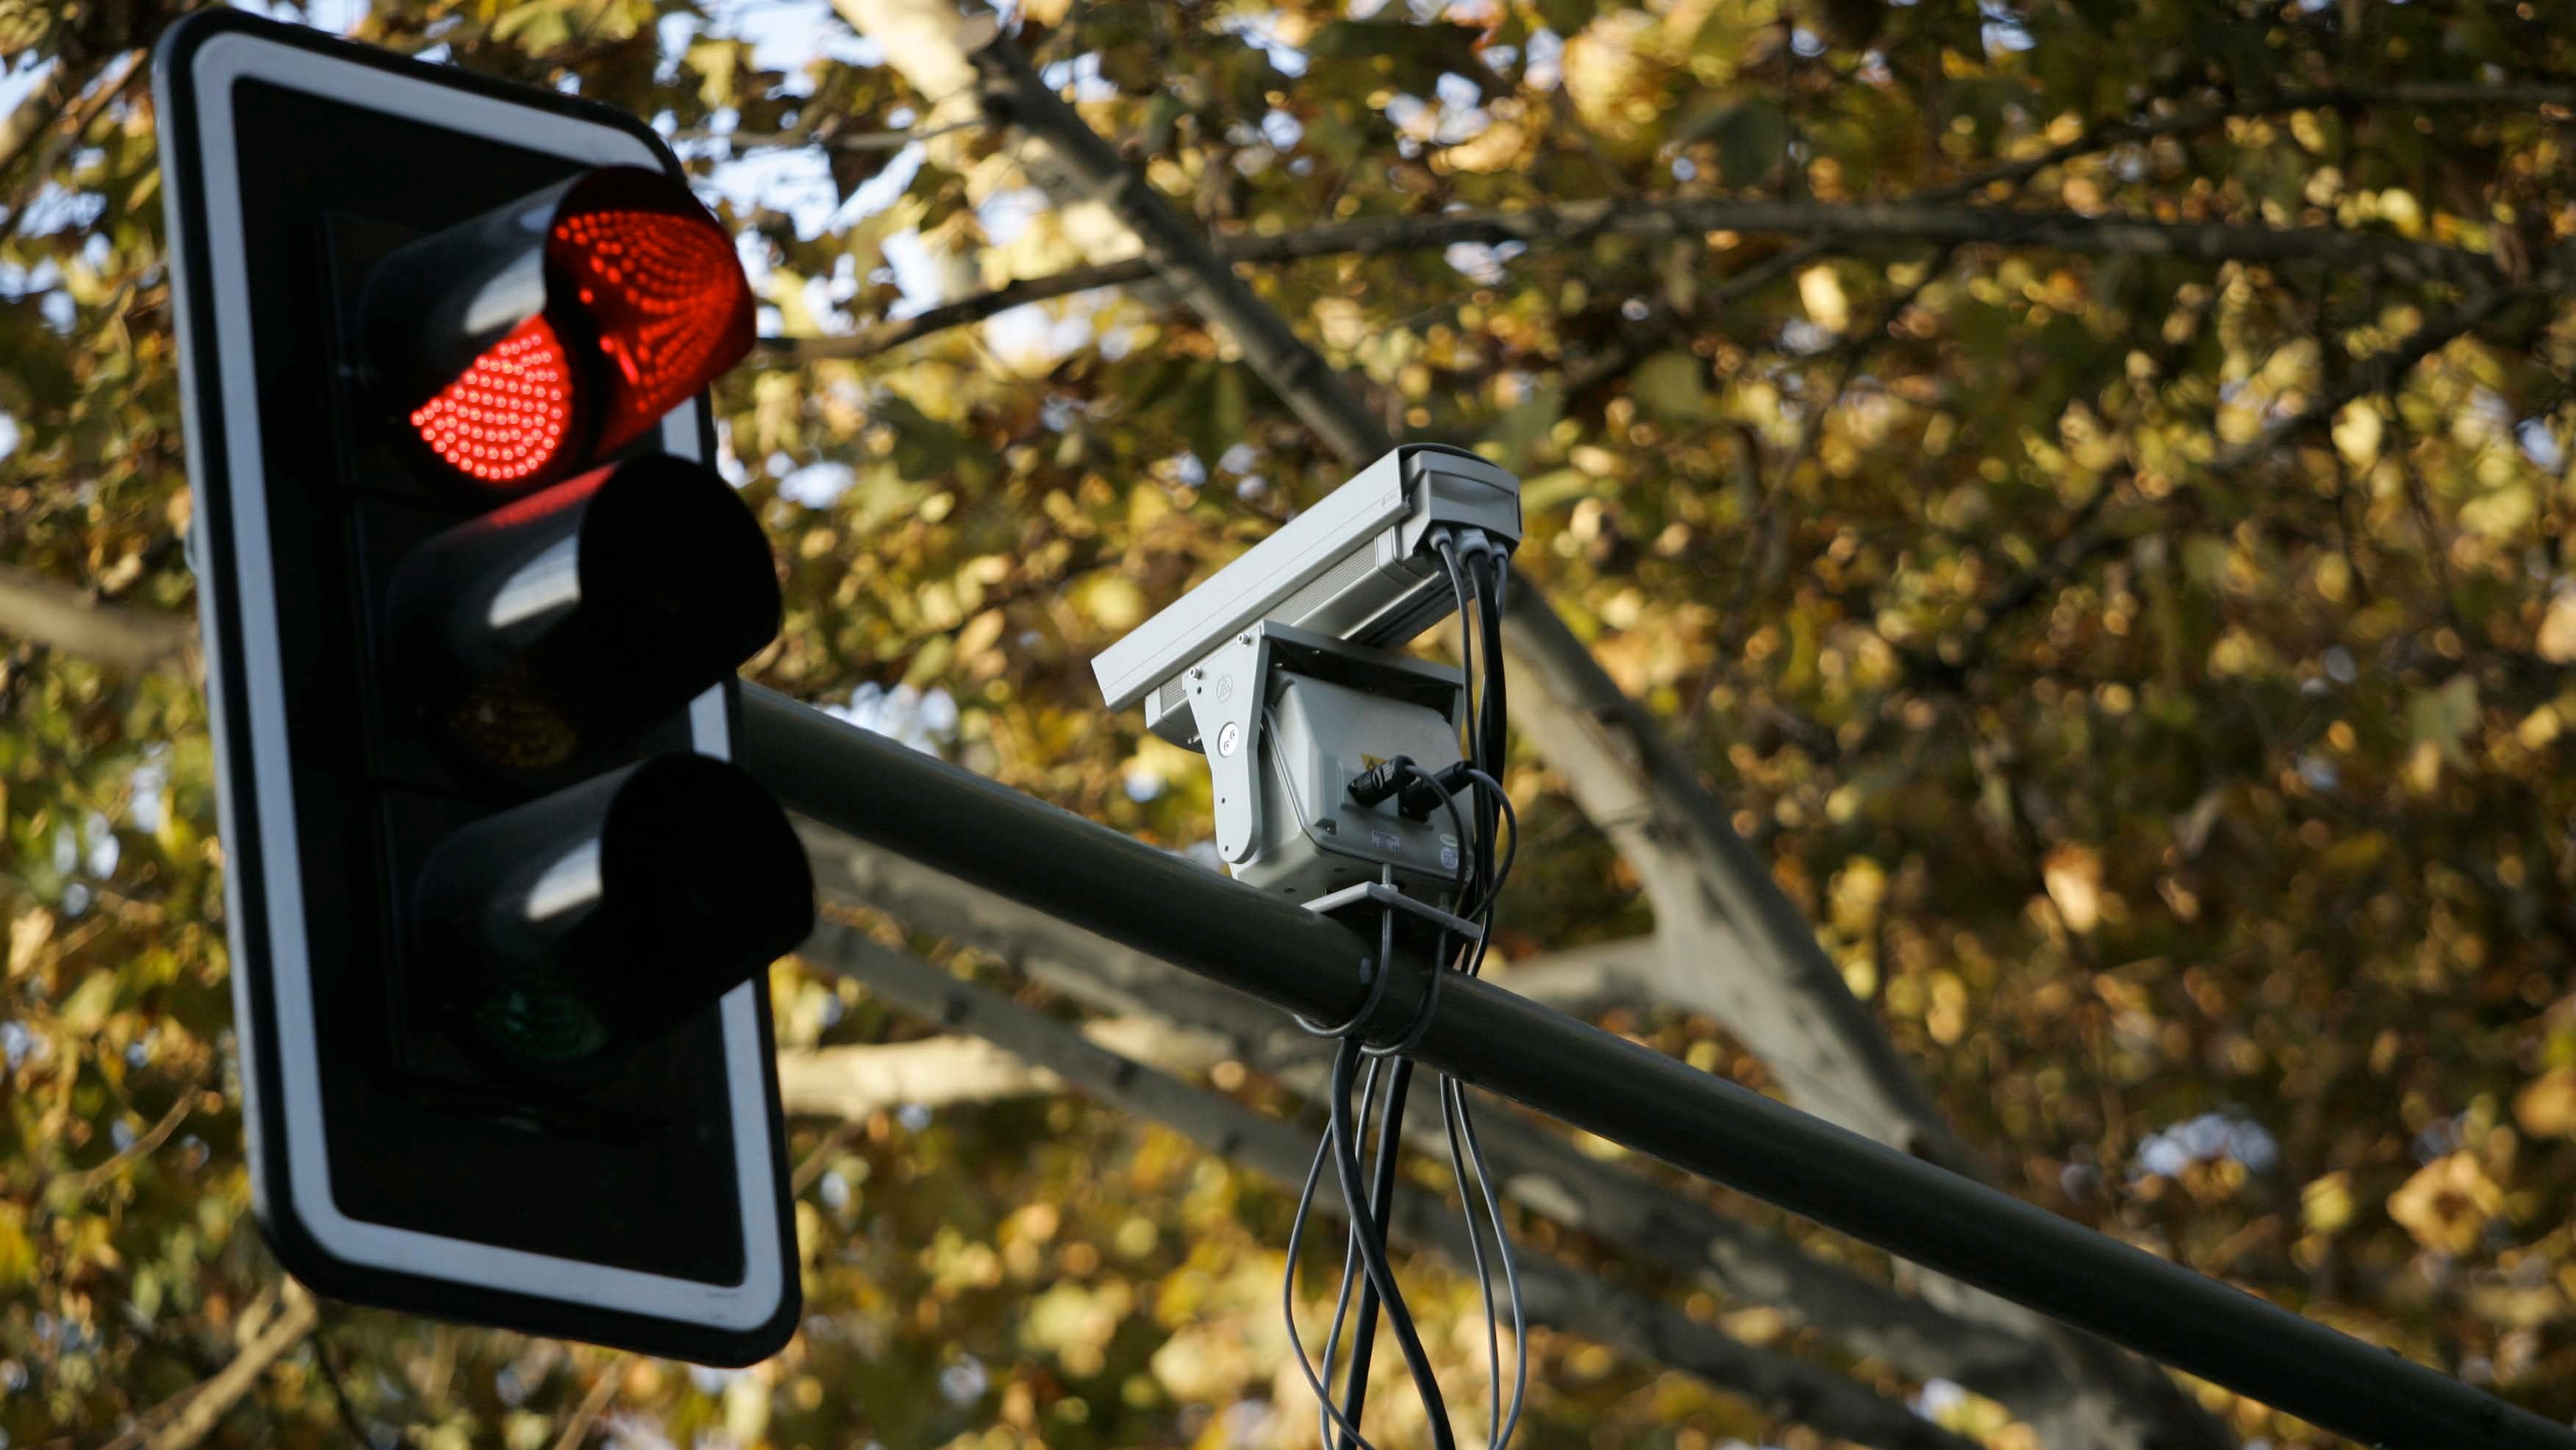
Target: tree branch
(1778, 989)
(85, 112)
(1909, 222)
(72, 1187)
(828, 140)
(1331, 240)
(1823, 225)
(2137, 1403)
(1180, 254)
(48, 612)
(34, 112)
(2103, 135)
(1556, 1295)
(2381, 372)
(594, 1402)
(188, 1417)
(964, 312)
(856, 1081)
(2088, 538)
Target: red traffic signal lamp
(558, 326)
(474, 601)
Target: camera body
(1284, 669)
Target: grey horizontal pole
(914, 805)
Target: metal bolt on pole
(897, 800)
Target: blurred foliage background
(2144, 659)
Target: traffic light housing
(473, 597)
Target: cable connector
(1382, 780)
(1416, 792)
(1423, 794)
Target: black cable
(1381, 1209)
(1288, 1286)
(1478, 665)
(1346, 1063)
(1455, 1099)
(1493, 896)
(1460, 1122)
(1478, 576)
(1324, 1419)
(1482, 729)
(1500, 564)
(1385, 967)
(1381, 1205)
(1449, 559)
(1494, 720)
(1480, 593)
(1491, 725)
(1450, 1106)
(1458, 906)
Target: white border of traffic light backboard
(206, 195)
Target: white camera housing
(1282, 669)
(1357, 566)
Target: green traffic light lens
(541, 1024)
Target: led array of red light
(506, 415)
(669, 303)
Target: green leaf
(2444, 717)
(1524, 425)
(1557, 486)
(1751, 138)
(1408, 56)
(1215, 419)
(536, 27)
(88, 1004)
(1671, 385)
(1565, 17)
(1155, 136)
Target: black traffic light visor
(581, 924)
(564, 620)
(535, 338)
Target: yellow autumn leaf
(1604, 68)
(1112, 600)
(2326, 1203)
(2447, 1204)
(2073, 875)
(2557, 642)
(2547, 1107)
(1498, 147)
(2357, 431)
(980, 634)
(17, 1251)
(2400, 210)
(1821, 293)
(27, 937)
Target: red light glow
(669, 302)
(505, 417)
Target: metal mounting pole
(898, 800)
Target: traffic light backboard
(473, 598)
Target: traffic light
(500, 906)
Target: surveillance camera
(1283, 668)
(1358, 567)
